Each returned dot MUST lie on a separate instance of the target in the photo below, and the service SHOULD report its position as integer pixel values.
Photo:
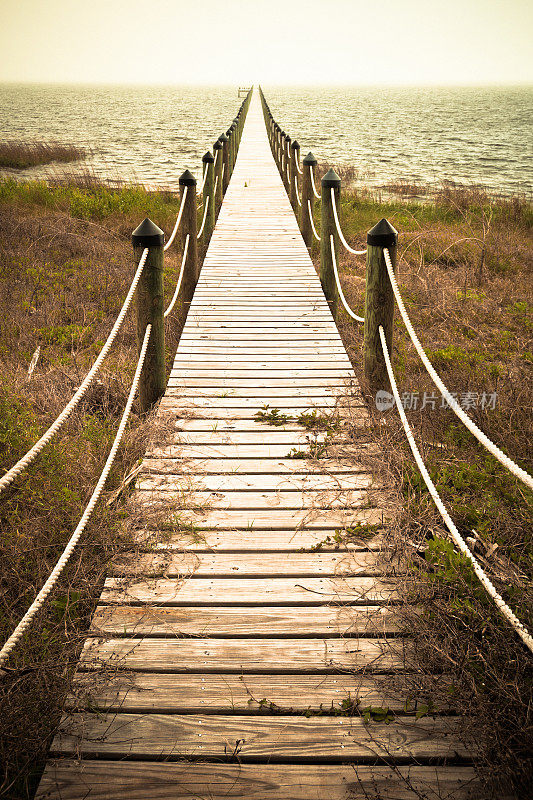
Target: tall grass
(21, 155)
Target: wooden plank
(247, 565)
(249, 500)
(273, 519)
(274, 541)
(137, 780)
(243, 655)
(221, 450)
(245, 621)
(215, 693)
(256, 466)
(250, 591)
(241, 481)
(322, 739)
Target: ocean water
(151, 134)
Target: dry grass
(464, 266)
(65, 266)
(21, 155)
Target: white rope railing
(338, 226)
(297, 192)
(200, 187)
(26, 620)
(456, 536)
(30, 456)
(204, 219)
(298, 167)
(180, 278)
(178, 220)
(339, 287)
(311, 220)
(215, 187)
(311, 172)
(507, 462)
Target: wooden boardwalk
(206, 667)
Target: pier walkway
(253, 650)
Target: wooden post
(189, 226)
(293, 172)
(209, 196)
(225, 160)
(379, 303)
(309, 164)
(327, 229)
(231, 147)
(286, 164)
(282, 151)
(150, 300)
(217, 150)
(237, 140)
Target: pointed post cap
(309, 160)
(187, 179)
(217, 145)
(207, 158)
(287, 137)
(283, 133)
(295, 145)
(147, 234)
(382, 234)
(331, 180)
(222, 138)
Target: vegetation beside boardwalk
(21, 155)
(66, 263)
(465, 273)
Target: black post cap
(217, 145)
(295, 145)
(187, 179)
(309, 160)
(147, 234)
(222, 138)
(331, 180)
(208, 158)
(287, 138)
(283, 133)
(382, 234)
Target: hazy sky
(268, 41)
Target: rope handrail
(52, 579)
(507, 462)
(311, 172)
(200, 186)
(203, 220)
(507, 612)
(30, 456)
(311, 220)
(178, 220)
(298, 167)
(337, 281)
(180, 278)
(338, 226)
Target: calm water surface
(468, 135)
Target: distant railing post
(379, 303)
(217, 149)
(282, 151)
(189, 226)
(230, 133)
(293, 175)
(286, 163)
(237, 140)
(225, 161)
(327, 229)
(150, 300)
(209, 196)
(308, 199)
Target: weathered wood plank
(274, 519)
(252, 591)
(138, 780)
(301, 467)
(322, 739)
(176, 482)
(247, 540)
(242, 621)
(249, 500)
(249, 565)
